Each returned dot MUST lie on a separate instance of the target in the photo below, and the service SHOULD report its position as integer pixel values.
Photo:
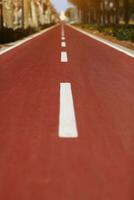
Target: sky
(60, 5)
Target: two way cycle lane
(35, 162)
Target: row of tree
(105, 11)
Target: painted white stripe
(63, 44)
(62, 30)
(20, 42)
(67, 121)
(64, 57)
(63, 38)
(118, 47)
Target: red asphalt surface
(35, 164)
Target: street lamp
(1, 15)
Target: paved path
(66, 120)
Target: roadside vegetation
(111, 17)
(10, 35)
(121, 32)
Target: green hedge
(120, 32)
(124, 34)
(9, 35)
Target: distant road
(66, 119)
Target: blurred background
(103, 11)
(19, 18)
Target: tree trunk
(98, 15)
(103, 13)
(126, 11)
(1, 16)
(85, 15)
(116, 12)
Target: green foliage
(124, 33)
(119, 32)
(9, 35)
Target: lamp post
(1, 15)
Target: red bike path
(34, 162)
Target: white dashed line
(63, 38)
(67, 121)
(64, 57)
(63, 44)
(62, 30)
(63, 34)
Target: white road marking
(63, 44)
(64, 56)
(62, 30)
(106, 42)
(63, 38)
(67, 121)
